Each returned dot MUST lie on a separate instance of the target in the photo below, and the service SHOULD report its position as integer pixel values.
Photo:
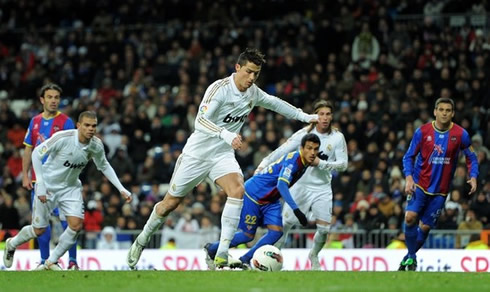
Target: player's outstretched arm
(284, 108)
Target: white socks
(319, 239)
(152, 225)
(285, 231)
(67, 240)
(229, 224)
(25, 234)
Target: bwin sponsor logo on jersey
(74, 165)
(230, 119)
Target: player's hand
(259, 169)
(472, 182)
(409, 185)
(323, 156)
(301, 217)
(26, 182)
(313, 118)
(237, 142)
(43, 199)
(127, 196)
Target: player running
(209, 152)
(313, 192)
(261, 205)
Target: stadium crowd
(143, 67)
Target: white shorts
(69, 202)
(189, 171)
(314, 203)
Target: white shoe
(209, 260)
(39, 267)
(52, 266)
(8, 254)
(315, 263)
(134, 254)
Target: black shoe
(411, 264)
(402, 266)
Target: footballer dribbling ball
(267, 258)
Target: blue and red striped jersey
(433, 155)
(262, 187)
(41, 129)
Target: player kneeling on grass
(261, 205)
(58, 185)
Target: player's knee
(410, 218)
(77, 227)
(39, 231)
(425, 228)
(275, 235)
(236, 192)
(322, 229)
(168, 204)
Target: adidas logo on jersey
(230, 119)
(73, 165)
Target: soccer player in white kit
(313, 191)
(58, 185)
(209, 152)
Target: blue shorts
(254, 215)
(427, 207)
(56, 211)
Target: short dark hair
(50, 86)
(311, 138)
(444, 100)
(88, 114)
(251, 55)
(322, 103)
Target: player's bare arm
(26, 165)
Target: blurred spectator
(108, 239)
(470, 223)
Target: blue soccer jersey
(262, 188)
(261, 205)
(433, 155)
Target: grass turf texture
(252, 281)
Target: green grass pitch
(242, 281)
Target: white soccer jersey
(67, 158)
(225, 107)
(316, 178)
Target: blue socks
(271, 237)
(43, 241)
(238, 239)
(421, 237)
(411, 240)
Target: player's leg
(249, 220)
(322, 210)
(40, 219)
(44, 239)
(271, 214)
(227, 174)
(416, 203)
(428, 218)
(72, 252)
(70, 204)
(288, 221)
(67, 239)
(187, 174)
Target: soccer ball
(267, 258)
